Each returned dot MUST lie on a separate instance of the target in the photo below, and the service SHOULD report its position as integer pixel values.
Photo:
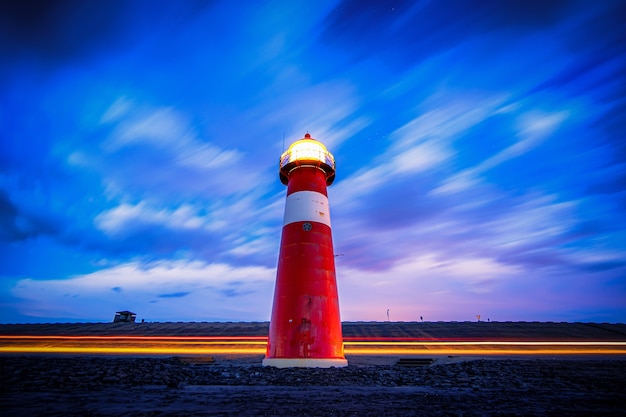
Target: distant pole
(387, 314)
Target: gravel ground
(125, 386)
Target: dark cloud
(150, 242)
(401, 203)
(61, 29)
(598, 44)
(175, 294)
(612, 126)
(16, 224)
(609, 185)
(389, 27)
(357, 252)
(604, 266)
(233, 292)
(585, 229)
(583, 76)
(534, 258)
(235, 289)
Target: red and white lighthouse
(305, 327)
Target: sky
(480, 151)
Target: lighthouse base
(305, 362)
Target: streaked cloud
(480, 166)
(126, 217)
(152, 291)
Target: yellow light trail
(130, 350)
(240, 345)
(59, 337)
(493, 342)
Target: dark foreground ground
(237, 385)
(125, 386)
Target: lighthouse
(305, 327)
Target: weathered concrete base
(305, 362)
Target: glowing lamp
(307, 152)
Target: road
(246, 345)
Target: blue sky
(481, 160)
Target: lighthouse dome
(307, 152)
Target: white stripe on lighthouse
(305, 206)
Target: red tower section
(305, 327)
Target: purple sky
(481, 159)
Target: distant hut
(124, 317)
